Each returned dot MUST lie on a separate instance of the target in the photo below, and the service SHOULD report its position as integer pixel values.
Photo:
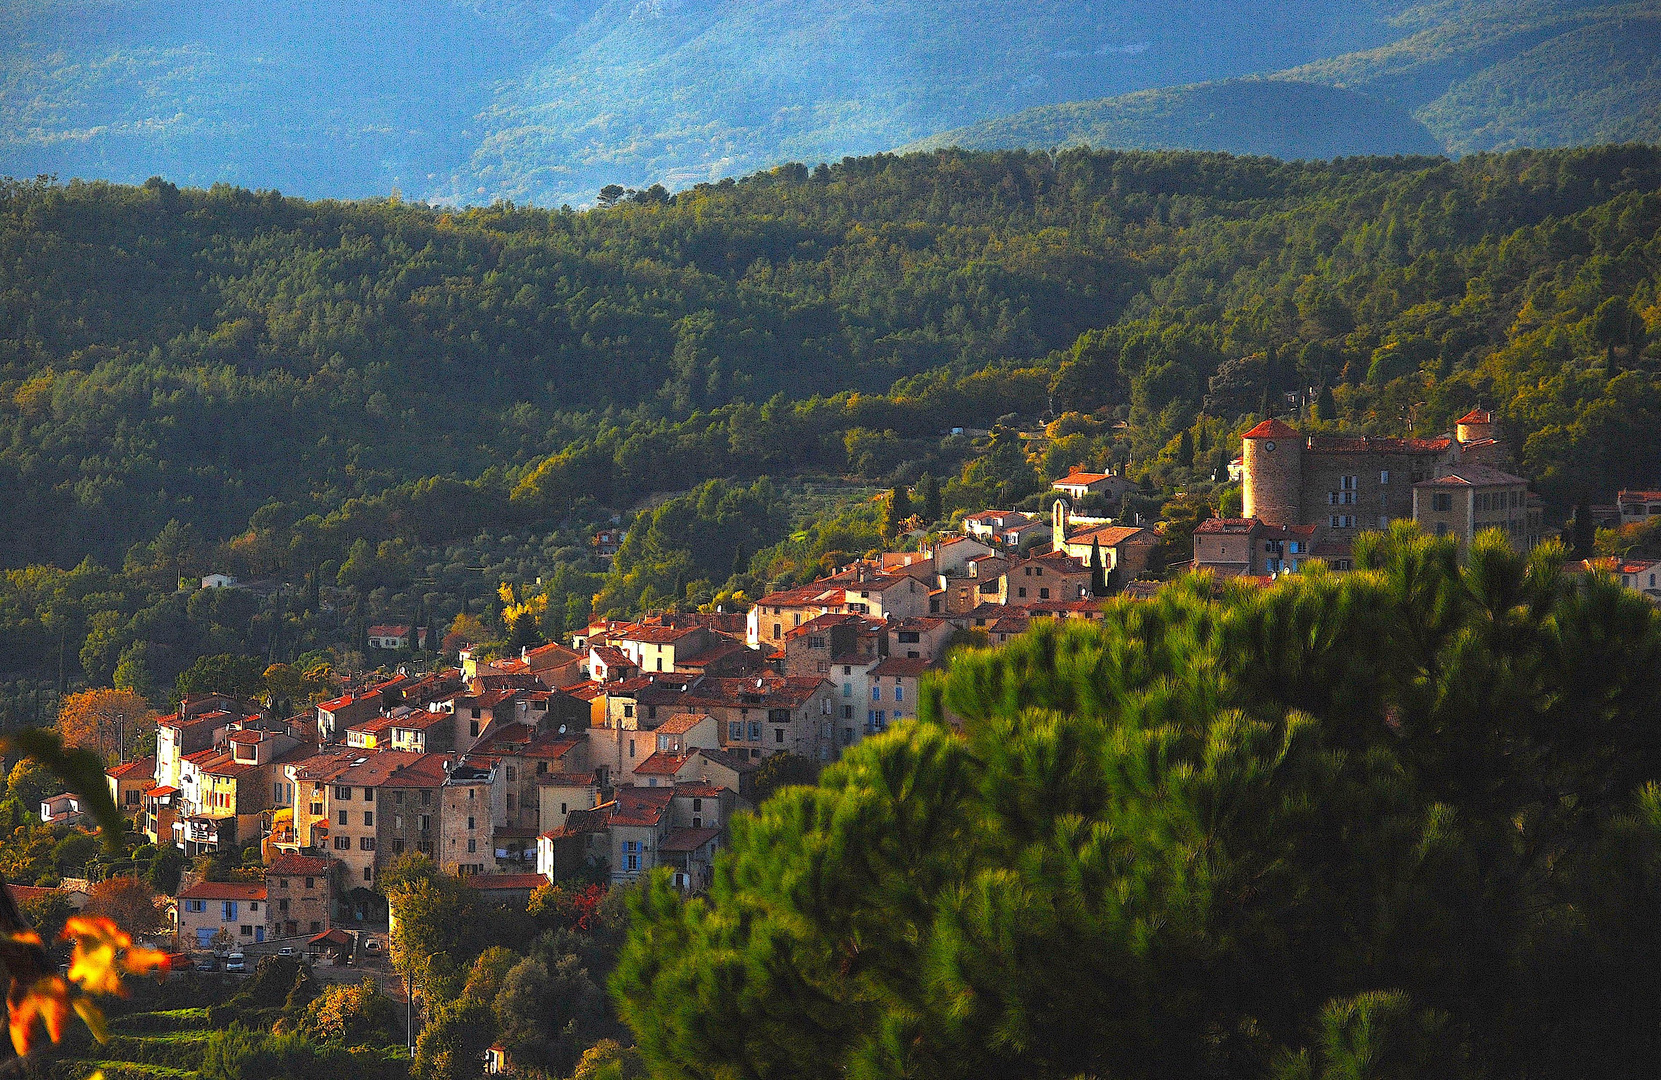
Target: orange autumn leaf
(46, 1001)
(103, 951)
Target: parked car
(372, 945)
(180, 962)
(235, 962)
(286, 950)
(207, 962)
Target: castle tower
(1272, 473)
(1474, 426)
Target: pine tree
(1186, 839)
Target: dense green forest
(1272, 117)
(392, 408)
(1403, 823)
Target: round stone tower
(1272, 473)
(1474, 426)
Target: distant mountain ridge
(546, 101)
(1463, 76)
(1269, 117)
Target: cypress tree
(928, 494)
(1098, 578)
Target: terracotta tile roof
(1373, 444)
(661, 763)
(642, 807)
(372, 696)
(1642, 496)
(681, 723)
(1472, 476)
(757, 691)
(421, 720)
(729, 759)
(1105, 535)
(332, 936)
(326, 766)
(681, 840)
(426, 771)
(655, 634)
(377, 767)
(568, 779)
(389, 630)
(142, 767)
(373, 726)
(1476, 416)
(905, 667)
(1272, 429)
(699, 791)
(298, 865)
(504, 882)
(224, 890)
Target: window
(735, 730)
(343, 817)
(344, 794)
(311, 883)
(276, 794)
(470, 821)
(876, 693)
(472, 844)
(343, 843)
(778, 735)
(631, 748)
(476, 713)
(426, 822)
(426, 799)
(368, 794)
(847, 687)
(542, 768)
(628, 710)
(316, 926)
(778, 631)
(472, 727)
(196, 905)
(1022, 591)
(1441, 502)
(847, 712)
(510, 802)
(512, 774)
(369, 819)
(1043, 594)
(397, 847)
(1384, 477)
(282, 906)
(899, 693)
(247, 931)
(755, 730)
(227, 910)
(1347, 483)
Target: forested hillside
(394, 407)
(1497, 74)
(1272, 117)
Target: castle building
(1342, 485)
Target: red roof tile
(1272, 429)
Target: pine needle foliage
(1397, 823)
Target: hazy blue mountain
(548, 100)
(1273, 117)
(1498, 74)
(551, 100)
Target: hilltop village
(631, 746)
